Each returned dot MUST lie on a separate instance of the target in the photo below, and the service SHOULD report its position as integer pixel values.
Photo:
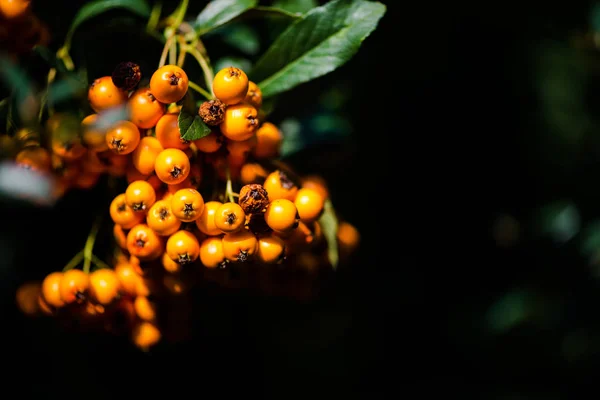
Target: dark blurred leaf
(590, 239)
(23, 96)
(595, 17)
(95, 8)
(329, 224)
(510, 310)
(191, 127)
(293, 141)
(243, 38)
(560, 220)
(323, 40)
(66, 89)
(219, 12)
(296, 6)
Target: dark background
(466, 123)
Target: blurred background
(336, 343)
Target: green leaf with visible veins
(191, 127)
(219, 12)
(322, 40)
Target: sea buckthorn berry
(309, 203)
(183, 247)
(93, 136)
(13, 9)
(252, 173)
(145, 153)
(212, 112)
(169, 84)
(253, 198)
(122, 214)
(128, 278)
(348, 238)
(187, 204)
(239, 246)
(316, 182)
(230, 217)
(26, 297)
(51, 289)
(105, 286)
(240, 122)
(161, 219)
(144, 308)
(230, 85)
(206, 222)
(145, 335)
(144, 110)
(270, 249)
(268, 141)
(254, 95)
(144, 243)
(282, 215)
(172, 166)
(167, 132)
(123, 137)
(36, 158)
(280, 186)
(170, 265)
(103, 94)
(126, 75)
(74, 285)
(140, 195)
(210, 143)
(211, 252)
(120, 236)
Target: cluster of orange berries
(20, 28)
(191, 210)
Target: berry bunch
(220, 209)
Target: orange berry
(123, 137)
(103, 94)
(169, 84)
(168, 134)
(230, 85)
(144, 109)
(172, 166)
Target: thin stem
(173, 53)
(182, 53)
(89, 245)
(73, 262)
(63, 54)
(99, 263)
(199, 89)
(154, 17)
(180, 13)
(206, 69)
(166, 48)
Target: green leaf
(329, 224)
(296, 6)
(95, 8)
(323, 40)
(218, 12)
(270, 12)
(243, 38)
(191, 127)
